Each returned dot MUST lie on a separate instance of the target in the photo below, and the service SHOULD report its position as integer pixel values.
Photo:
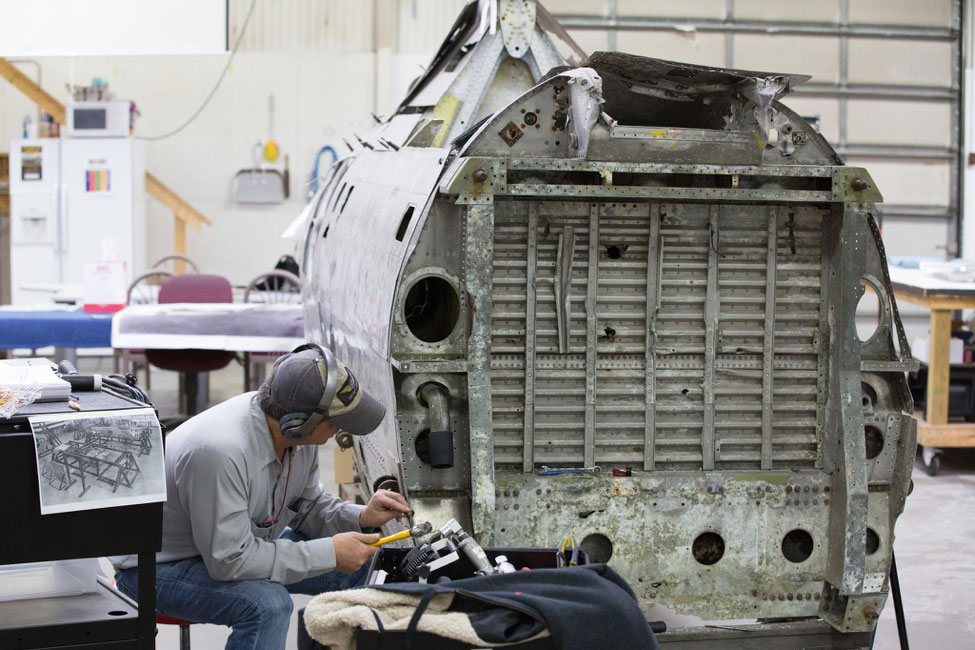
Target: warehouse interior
(241, 117)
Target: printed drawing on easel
(98, 459)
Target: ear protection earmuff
(299, 425)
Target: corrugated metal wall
(303, 25)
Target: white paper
(98, 459)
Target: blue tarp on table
(58, 328)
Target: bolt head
(859, 185)
(480, 176)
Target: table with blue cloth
(62, 328)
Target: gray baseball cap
(298, 381)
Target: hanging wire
(216, 86)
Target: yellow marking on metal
(446, 110)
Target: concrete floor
(935, 540)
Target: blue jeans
(258, 611)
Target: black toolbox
(388, 559)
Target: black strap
(379, 623)
(420, 608)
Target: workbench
(941, 297)
(104, 618)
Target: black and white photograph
(98, 460)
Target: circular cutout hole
(614, 252)
(386, 482)
(873, 541)
(421, 445)
(598, 548)
(118, 612)
(708, 548)
(431, 309)
(873, 441)
(867, 327)
(797, 545)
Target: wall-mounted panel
(908, 182)
(897, 122)
(930, 13)
(821, 11)
(658, 8)
(900, 62)
(813, 55)
(704, 48)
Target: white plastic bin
(46, 579)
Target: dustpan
(259, 186)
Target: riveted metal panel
(696, 377)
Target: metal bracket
(854, 184)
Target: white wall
(317, 98)
(111, 27)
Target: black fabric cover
(584, 607)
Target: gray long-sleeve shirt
(225, 486)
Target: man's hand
(352, 550)
(383, 506)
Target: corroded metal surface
(656, 272)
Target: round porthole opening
(431, 309)
(797, 545)
(708, 548)
(873, 441)
(598, 547)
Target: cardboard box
(344, 466)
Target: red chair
(195, 288)
(184, 628)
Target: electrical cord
(216, 86)
(127, 386)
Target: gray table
(260, 331)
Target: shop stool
(184, 628)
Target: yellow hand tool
(568, 554)
(416, 531)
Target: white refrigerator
(73, 200)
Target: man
(246, 522)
